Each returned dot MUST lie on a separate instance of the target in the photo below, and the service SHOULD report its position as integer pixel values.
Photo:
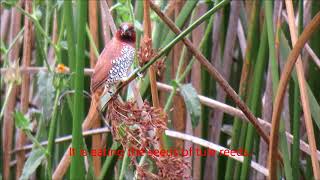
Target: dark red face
(126, 33)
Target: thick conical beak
(127, 33)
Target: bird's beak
(127, 33)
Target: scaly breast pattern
(120, 65)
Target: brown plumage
(113, 65)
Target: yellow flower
(61, 68)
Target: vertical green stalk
(95, 50)
(77, 168)
(240, 143)
(53, 124)
(272, 54)
(295, 154)
(125, 162)
(296, 132)
(67, 11)
(131, 11)
(110, 159)
(254, 100)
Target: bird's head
(126, 33)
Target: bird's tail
(93, 113)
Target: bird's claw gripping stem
(140, 75)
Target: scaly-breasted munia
(115, 60)
(112, 66)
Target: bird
(111, 68)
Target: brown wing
(101, 71)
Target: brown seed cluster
(135, 128)
(172, 167)
(160, 66)
(132, 126)
(146, 53)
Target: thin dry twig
(152, 71)
(180, 117)
(307, 47)
(4, 27)
(170, 8)
(147, 37)
(93, 25)
(242, 39)
(26, 61)
(105, 27)
(313, 55)
(8, 125)
(285, 76)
